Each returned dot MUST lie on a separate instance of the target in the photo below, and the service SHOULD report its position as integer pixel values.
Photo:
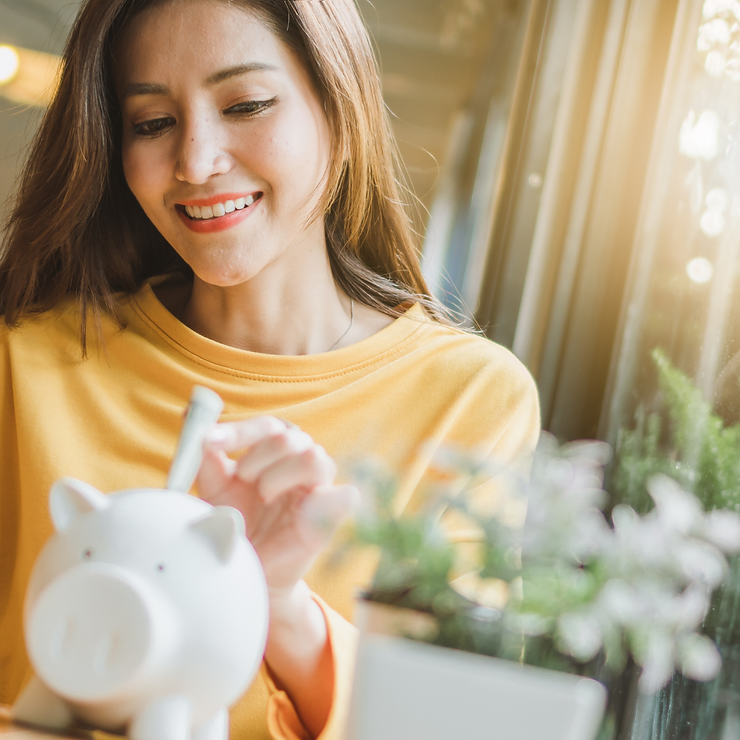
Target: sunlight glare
(9, 63)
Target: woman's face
(225, 142)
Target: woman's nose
(200, 155)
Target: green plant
(685, 440)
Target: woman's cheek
(145, 175)
(134, 171)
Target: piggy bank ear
(69, 498)
(222, 529)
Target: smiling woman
(220, 204)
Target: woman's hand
(283, 484)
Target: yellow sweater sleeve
(282, 718)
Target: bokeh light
(699, 138)
(700, 270)
(9, 63)
(717, 200)
(712, 223)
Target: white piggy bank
(146, 613)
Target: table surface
(11, 731)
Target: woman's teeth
(219, 209)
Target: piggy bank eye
(160, 567)
(87, 554)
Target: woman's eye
(154, 127)
(250, 107)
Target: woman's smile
(221, 212)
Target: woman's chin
(225, 277)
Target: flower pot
(407, 689)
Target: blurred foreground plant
(560, 586)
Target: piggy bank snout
(96, 631)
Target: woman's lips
(218, 223)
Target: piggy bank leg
(216, 728)
(166, 719)
(39, 705)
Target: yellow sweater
(113, 420)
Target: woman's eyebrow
(240, 69)
(145, 88)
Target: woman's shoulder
(57, 320)
(488, 394)
(461, 353)
(60, 325)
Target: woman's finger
(233, 436)
(215, 474)
(326, 506)
(265, 453)
(311, 468)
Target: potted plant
(549, 592)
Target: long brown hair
(76, 228)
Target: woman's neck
(271, 316)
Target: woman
(210, 199)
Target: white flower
(581, 634)
(591, 451)
(625, 518)
(690, 608)
(560, 472)
(589, 536)
(657, 663)
(659, 602)
(700, 562)
(620, 601)
(722, 528)
(699, 139)
(565, 496)
(676, 509)
(698, 657)
(639, 542)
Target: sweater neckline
(207, 351)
